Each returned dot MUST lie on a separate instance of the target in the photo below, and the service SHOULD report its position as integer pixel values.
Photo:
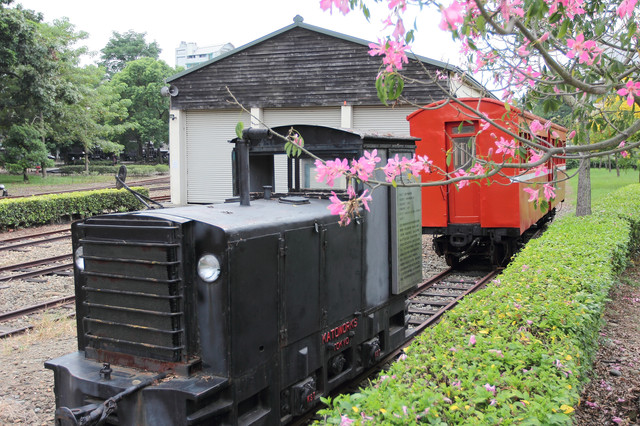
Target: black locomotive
(245, 312)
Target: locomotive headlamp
(208, 268)
(79, 259)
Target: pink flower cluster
(586, 51)
(626, 8)
(341, 5)
(630, 90)
(394, 53)
(415, 165)
(534, 194)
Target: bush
(46, 209)
(519, 350)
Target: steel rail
(36, 308)
(35, 263)
(26, 237)
(33, 243)
(38, 272)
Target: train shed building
(300, 74)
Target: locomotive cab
(245, 312)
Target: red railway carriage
(486, 217)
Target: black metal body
(301, 305)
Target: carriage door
(464, 204)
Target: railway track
(29, 311)
(41, 238)
(26, 271)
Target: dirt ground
(613, 394)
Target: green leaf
(239, 129)
(382, 94)
(563, 28)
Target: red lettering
(338, 331)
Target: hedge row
(132, 170)
(517, 352)
(46, 209)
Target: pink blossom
(509, 8)
(331, 170)
(493, 402)
(472, 340)
(453, 350)
(585, 51)
(626, 8)
(533, 194)
(630, 91)
(401, 4)
(617, 420)
(490, 388)
(461, 184)
(345, 421)
(484, 125)
(364, 199)
(497, 352)
(393, 52)
(398, 32)
(477, 169)
(341, 5)
(508, 147)
(549, 191)
(365, 165)
(591, 404)
(571, 7)
(535, 126)
(452, 16)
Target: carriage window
(463, 152)
(463, 128)
(462, 137)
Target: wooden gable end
(297, 68)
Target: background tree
(148, 114)
(124, 48)
(33, 60)
(23, 148)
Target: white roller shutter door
(208, 154)
(382, 119)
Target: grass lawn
(15, 181)
(603, 182)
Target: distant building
(300, 74)
(189, 55)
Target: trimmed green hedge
(132, 170)
(46, 209)
(517, 352)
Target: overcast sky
(211, 22)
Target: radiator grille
(133, 293)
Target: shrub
(519, 350)
(45, 209)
